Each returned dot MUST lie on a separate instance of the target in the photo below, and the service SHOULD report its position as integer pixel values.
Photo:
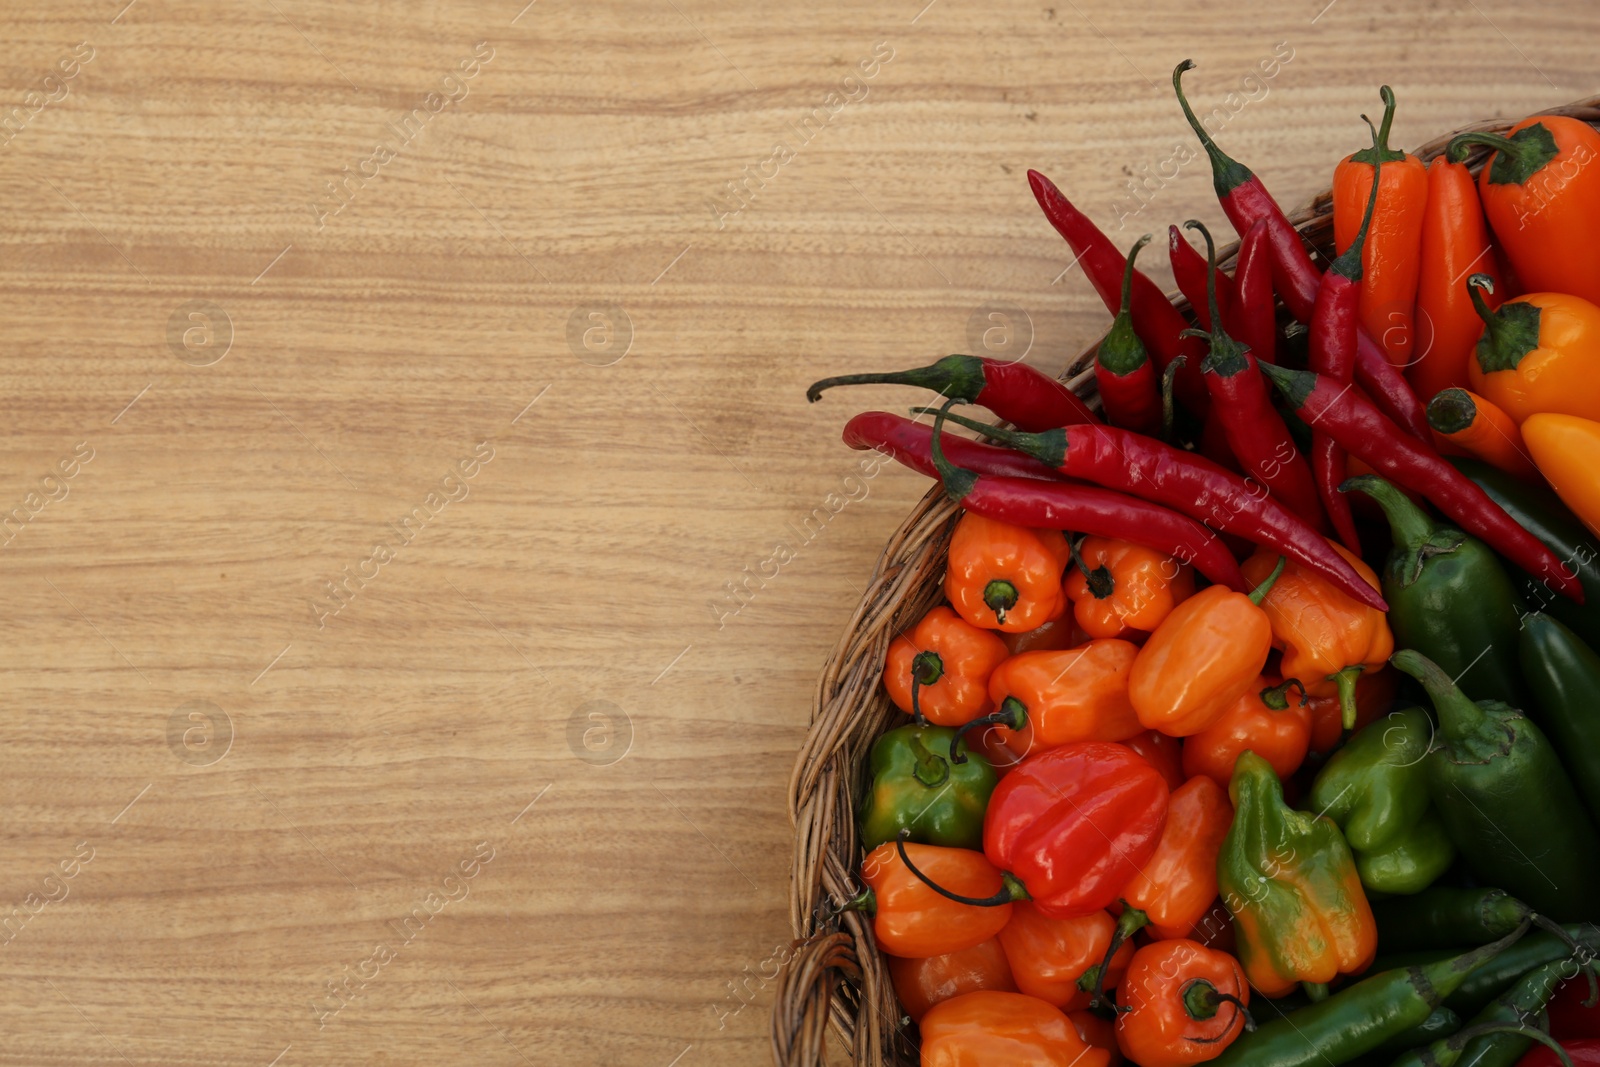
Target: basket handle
(804, 997)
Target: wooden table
(395, 398)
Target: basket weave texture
(836, 977)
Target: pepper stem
(1121, 352)
(957, 481)
(1348, 264)
(1000, 596)
(1201, 1000)
(1409, 525)
(1276, 697)
(1226, 356)
(1169, 409)
(957, 377)
(1012, 714)
(1316, 992)
(1227, 173)
(1579, 952)
(1346, 679)
(1461, 1038)
(1026, 443)
(926, 669)
(1130, 922)
(1477, 285)
(1380, 152)
(1259, 593)
(932, 769)
(865, 902)
(1517, 157)
(1451, 410)
(1101, 584)
(1458, 715)
(1011, 891)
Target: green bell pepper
(1564, 675)
(1506, 801)
(1412, 863)
(917, 787)
(1449, 597)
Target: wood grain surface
(418, 552)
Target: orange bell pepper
(1266, 720)
(1049, 957)
(1455, 242)
(1391, 255)
(1321, 629)
(1567, 450)
(1541, 192)
(910, 919)
(1097, 1033)
(1478, 428)
(1201, 659)
(1117, 586)
(941, 668)
(1163, 753)
(1178, 884)
(1051, 698)
(1009, 1028)
(1374, 696)
(920, 984)
(1539, 352)
(1005, 577)
(1182, 1004)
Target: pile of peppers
(1258, 722)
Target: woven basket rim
(836, 977)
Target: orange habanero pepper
(1541, 192)
(1321, 630)
(1009, 1028)
(941, 668)
(1201, 659)
(1097, 1033)
(1455, 242)
(920, 984)
(1265, 721)
(1390, 257)
(1567, 450)
(1178, 885)
(914, 921)
(1005, 577)
(1538, 353)
(1182, 1004)
(1049, 957)
(1480, 429)
(1051, 698)
(1053, 635)
(1117, 586)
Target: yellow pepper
(1567, 451)
(1538, 353)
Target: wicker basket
(836, 975)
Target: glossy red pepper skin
(1585, 1052)
(1157, 322)
(1189, 271)
(1363, 431)
(1076, 823)
(1163, 752)
(1387, 386)
(1333, 353)
(910, 443)
(1014, 391)
(1123, 370)
(1252, 316)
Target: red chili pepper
(1294, 277)
(1585, 1052)
(1015, 392)
(1122, 368)
(909, 442)
(1188, 484)
(1255, 431)
(1076, 823)
(1571, 1013)
(1155, 320)
(1087, 509)
(1363, 431)
(1334, 325)
(1189, 271)
(1252, 315)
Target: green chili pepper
(1442, 1023)
(1563, 674)
(1446, 917)
(1579, 941)
(1543, 514)
(1449, 597)
(1506, 802)
(1360, 1017)
(916, 786)
(1499, 1034)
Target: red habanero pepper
(1122, 368)
(1143, 467)
(910, 443)
(1182, 1004)
(1363, 431)
(1075, 824)
(1189, 270)
(922, 983)
(1163, 752)
(1178, 884)
(1242, 401)
(1155, 320)
(1252, 317)
(1014, 391)
(1010, 1028)
(1101, 512)
(912, 919)
(1334, 326)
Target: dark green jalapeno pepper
(1563, 676)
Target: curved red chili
(1013, 391)
(1363, 431)
(1252, 317)
(1189, 271)
(909, 442)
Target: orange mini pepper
(941, 668)
(1051, 698)
(1178, 885)
(1480, 429)
(912, 920)
(1005, 577)
(1538, 353)
(1182, 1004)
(1541, 192)
(1268, 721)
(1162, 752)
(1321, 629)
(1390, 257)
(1201, 659)
(1117, 586)
(1010, 1028)
(920, 984)
(1049, 957)
(1567, 450)
(1455, 242)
